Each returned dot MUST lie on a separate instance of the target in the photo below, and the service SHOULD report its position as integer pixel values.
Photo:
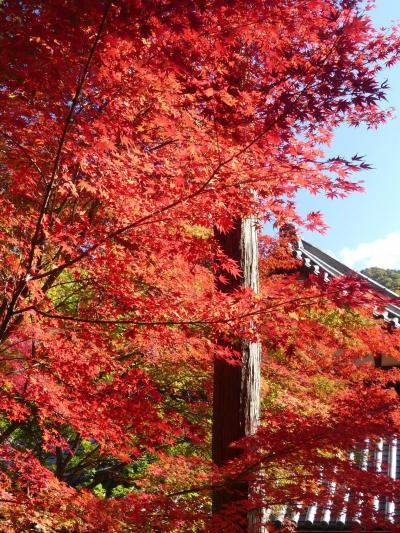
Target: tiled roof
(382, 456)
(317, 261)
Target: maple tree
(130, 130)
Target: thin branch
(162, 145)
(305, 299)
(26, 154)
(61, 143)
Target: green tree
(388, 277)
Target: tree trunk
(237, 387)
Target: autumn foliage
(129, 130)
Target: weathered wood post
(236, 407)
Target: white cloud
(384, 253)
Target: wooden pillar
(236, 407)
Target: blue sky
(365, 228)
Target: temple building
(383, 456)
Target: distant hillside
(385, 276)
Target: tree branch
(243, 316)
(67, 125)
(26, 154)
